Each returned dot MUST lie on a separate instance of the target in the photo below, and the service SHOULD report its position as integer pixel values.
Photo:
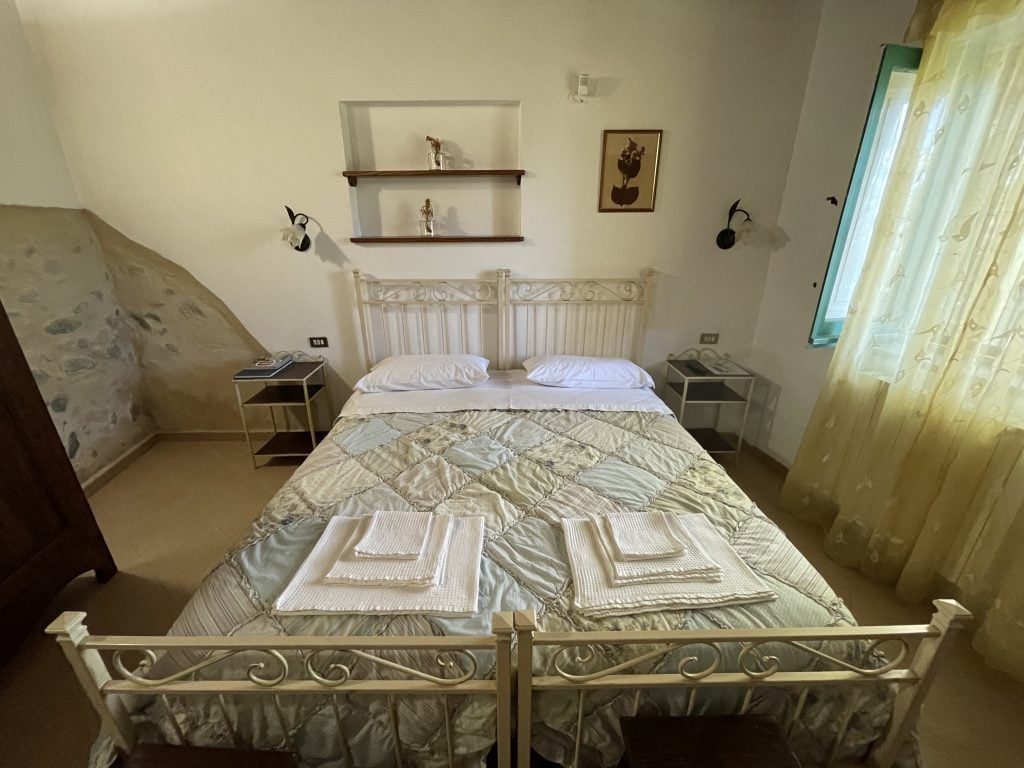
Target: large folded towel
(399, 535)
(597, 597)
(455, 595)
(693, 565)
(644, 535)
(425, 570)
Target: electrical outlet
(709, 338)
(318, 341)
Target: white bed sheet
(504, 391)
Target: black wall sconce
(295, 234)
(727, 237)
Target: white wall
(846, 57)
(32, 166)
(188, 125)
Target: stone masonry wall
(59, 294)
(122, 342)
(189, 342)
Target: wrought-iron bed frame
(912, 671)
(506, 319)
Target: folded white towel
(644, 535)
(399, 535)
(693, 565)
(597, 597)
(455, 595)
(348, 568)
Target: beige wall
(839, 87)
(32, 167)
(189, 125)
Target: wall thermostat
(583, 86)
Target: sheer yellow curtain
(914, 457)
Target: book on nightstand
(717, 366)
(265, 367)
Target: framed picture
(629, 171)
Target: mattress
(522, 457)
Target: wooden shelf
(289, 394)
(713, 441)
(707, 392)
(441, 239)
(290, 444)
(354, 176)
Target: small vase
(427, 228)
(436, 161)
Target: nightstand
(295, 386)
(686, 384)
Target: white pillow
(399, 373)
(586, 372)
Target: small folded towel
(397, 535)
(455, 595)
(421, 572)
(596, 596)
(643, 535)
(693, 565)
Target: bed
(523, 457)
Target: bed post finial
(92, 673)
(526, 625)
(504, 319)
(364, 322)
(949, 618)
(503, 627)
(647, 284)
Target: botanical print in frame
(629, 171)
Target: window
(889, 106)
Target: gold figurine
(427, 220)
(435, 157)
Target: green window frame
(895, 58)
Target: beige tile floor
(169, 517)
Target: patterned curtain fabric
(914, 457)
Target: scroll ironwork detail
(752, 662)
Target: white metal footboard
(289, 666)
(752, 653)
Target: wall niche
(471, 204)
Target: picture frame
(629, 170)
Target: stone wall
(59, 294)
(122, 342)
(189, 342)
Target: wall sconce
(727, 237)
(295, 234)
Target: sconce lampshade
(295, 234)
(728, 237)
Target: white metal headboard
(504, 319)
(420, 317)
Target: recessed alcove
(476, 199)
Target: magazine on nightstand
(718, 366)
(265, 367)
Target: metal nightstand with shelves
(687, 385)
(296, 385)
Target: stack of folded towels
(390, 562)
(633, 562)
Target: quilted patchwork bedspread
(522, 471)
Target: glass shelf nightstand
(295, 385)
(687, 383)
